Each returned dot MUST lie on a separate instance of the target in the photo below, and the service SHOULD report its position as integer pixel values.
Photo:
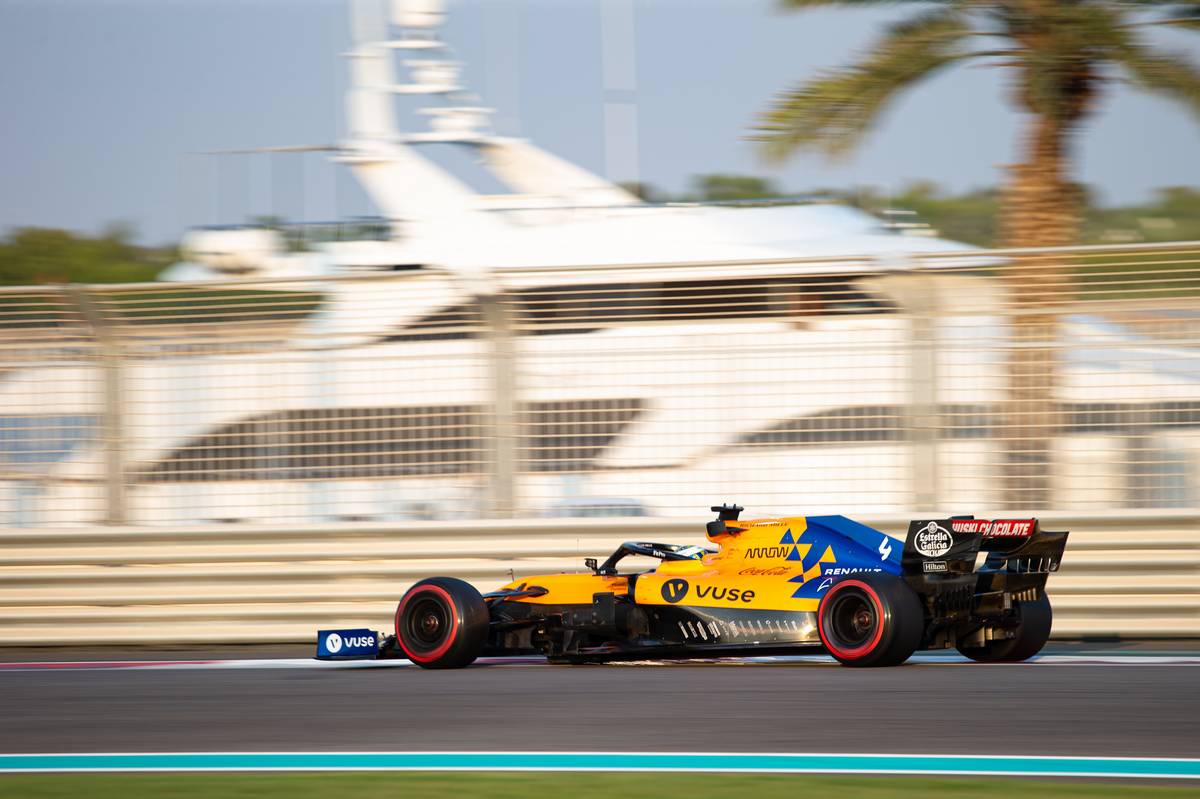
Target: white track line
(925, 659)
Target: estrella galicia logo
(333, 642)
(933, 540)
(674, 590)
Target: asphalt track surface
(1093, 709)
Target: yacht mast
(403, 183)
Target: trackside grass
(521, 785)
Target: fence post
(923, 416)
(501, 417)
(113, 403)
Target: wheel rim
(427, 623)
(852, 621)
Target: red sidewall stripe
(455, 623)
(858, 651)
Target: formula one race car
(769, 586)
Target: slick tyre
(870, 620)
(1031, 635)
(442, 623)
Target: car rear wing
(950, 546)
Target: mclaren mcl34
(762, 587)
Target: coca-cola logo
(933, 540)
(767, 571)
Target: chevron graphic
(811, 566)
(788, 538)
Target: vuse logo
(674, 590)
(333, 642)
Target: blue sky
(103, 104)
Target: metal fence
(1128, 574)
(986, 381)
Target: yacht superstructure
(551, 212)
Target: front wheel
(1031, 634)
(871, 620)
(442, 623)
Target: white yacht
(647, 358)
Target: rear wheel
(1031, 635)
(870, 620)
(442, 623)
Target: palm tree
(1061, 55)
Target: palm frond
(800, 5)
(1170, 74)
(1182, 16)
(833, 111)
(1140, 5)
(1173, 14)
(1162, 13)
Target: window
(570, 435)
(886, 423)
(559, 310)
(331, 443)
(335, 443)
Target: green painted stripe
(611, 761)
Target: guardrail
(1124, 575)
